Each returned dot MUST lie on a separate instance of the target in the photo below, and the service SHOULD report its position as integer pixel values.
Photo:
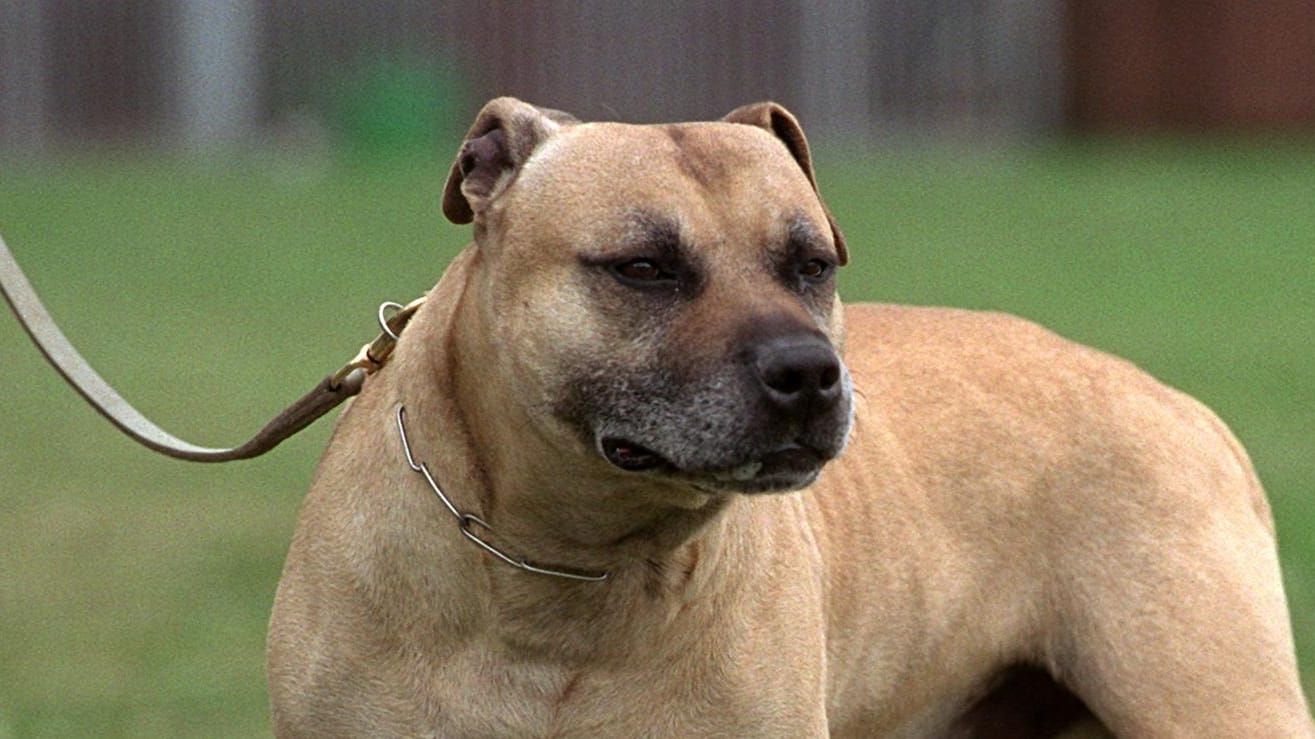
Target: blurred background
(213, 196)
(198, 73)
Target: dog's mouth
(787, 468)
(632, 457)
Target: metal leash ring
(384, 307)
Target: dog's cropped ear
(501, 139)
(782, 124)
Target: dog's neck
(653, 552)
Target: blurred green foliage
(396, 107)
(134, 590)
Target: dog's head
(660, 299)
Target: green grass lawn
(134, 589)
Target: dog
(634, 471)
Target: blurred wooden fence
(180, 69)
(1189, 64)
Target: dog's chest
(475, 694)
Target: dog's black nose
(799, 375)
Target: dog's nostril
(785, 380)
(830, 376)
(797, 375)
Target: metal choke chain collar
(467, 521)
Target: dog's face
(661, 298)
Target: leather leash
(327, 395)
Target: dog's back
(1011, 499)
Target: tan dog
(640, 346)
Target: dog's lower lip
(791, 459)
(788, 462)
(630, 456)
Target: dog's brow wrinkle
(693, 160)
(652, 228)
(660, 234)
(799, 239)
(801, 235)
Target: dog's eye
(642, 270)
(814, 269)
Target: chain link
(466, 521)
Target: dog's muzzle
(768, 423)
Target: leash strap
(327, 395)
